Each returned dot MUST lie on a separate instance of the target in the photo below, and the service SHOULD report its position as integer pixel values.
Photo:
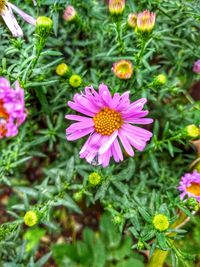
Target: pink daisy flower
(146, 21)
(107, 120)
(6, 12)
(12, 109)
(196, 66)
(190, 185)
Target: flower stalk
(159, 257)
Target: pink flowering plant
(99, 133)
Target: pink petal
(139, 121)
(79, 126)
(137, 105)
(4, 82)
(11, 22)
(79, 134)
(77, 118)
(116, 150)
(85, 103)
(80, 109)
(108, 143)
(142, 133)
(136, 142)
(124, 102)
(134, 114)
(125, 143)
(105, 94)
(25, 16)
(104, 159)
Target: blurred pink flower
(196, 66)
(146, 21)
(6, 12)
(116, 7)
(123, 69)
(12, 109)
(107, 120)
(69, 13)
(190, 185)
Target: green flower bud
(44, 26)
(197, 167)
(140, 245)
(160, 222)
(31, 218)
(160, 79)
(94, 179)
(62, 69)
(192, 203)
(192, 131)
(118, 219)
(75, 80)
(78, 196)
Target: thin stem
(159, 256)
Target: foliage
(104, 248)
(40, 170)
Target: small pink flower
(146, 21)
(132, 20)
(123, 69)
(6, 12)
(69, 13)
(190, 185)
(107, 120)
(116, 7)
(196, 66)
(12, 109)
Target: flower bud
(192, 203)
(160, 222)
(161, 79)
(146, 21)
(75, 80)
(132, 20)
(196, 67)
(44, 26)
(197, 167)
(192, 131)
(31, 218)
(94, 179)
(118, 219)
(69, 13)
(116, 7)
(78, 196)
(140, 245)
(123, 69)
(62, 69)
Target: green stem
(141, 54)
(159, 256)
(39, 45)
(119, 36)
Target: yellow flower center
(2, 5)
(3, 113)
(3, 116)
(107, 121)
(124, 68)
(194, 189)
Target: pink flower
(146, 21)
(116, 7)
(6, 12)
(12, 110)
(196, 66)
(107, 120)
(69, 13)
(123, 69)
(190, 185)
